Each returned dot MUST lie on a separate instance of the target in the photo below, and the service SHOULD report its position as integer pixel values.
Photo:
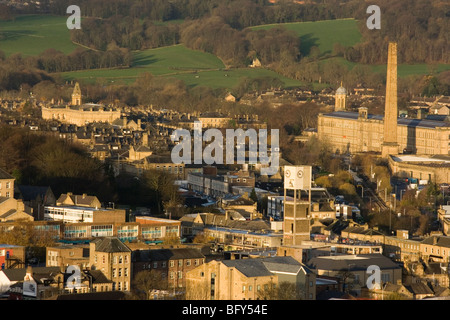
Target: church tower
(390, 144)
(76, 95)
(340, 97)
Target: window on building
(385, 277)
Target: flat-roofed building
(74, 214)
(157, 229)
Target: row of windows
(163, 264)
(120, 259)
(437, 251)
(119, 272)
(120, 285)
(116, 259)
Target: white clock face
(297, 177)
(288, 173)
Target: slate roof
(98, 277)
(78, 199)
(110, 244)
(363, 231)
(8, 213)
(441, 241)
(5, 175)
(32, 192)
(420, 288)
(17, 274)
(400, 121)
(219, 220)
(351, 262)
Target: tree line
(17, 70)
(420, 26)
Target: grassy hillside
(195, 68)
(32, 34)
(322, 34)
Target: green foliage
(253, 195)
(47, 160)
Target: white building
(70, 214)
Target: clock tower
(297, 212)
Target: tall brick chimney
(390, 144)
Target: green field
(322, 34)
(165, 61)
(195, 68)
(30, 35)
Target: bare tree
(147, 280)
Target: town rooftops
(110, 244)
(78, 200)
(260, 267)
(18, 274)
(440, 241)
